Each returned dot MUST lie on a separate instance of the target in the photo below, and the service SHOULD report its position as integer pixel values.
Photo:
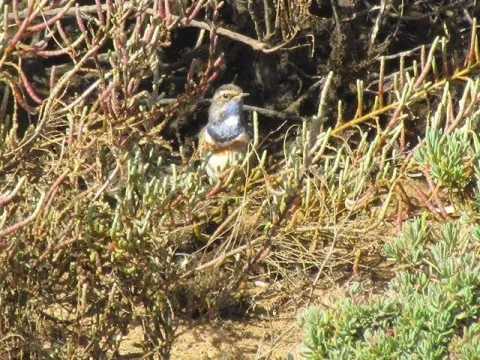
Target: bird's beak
(242, 95)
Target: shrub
(429, 311)
(105, 220)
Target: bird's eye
(226, 96)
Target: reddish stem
(52, 20)
(426, 204)
(21, 30)
(100, 15)
(78, 15)
(168, 14)
(15, 12)
(27, 85)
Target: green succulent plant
(429, 311)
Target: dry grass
(106, 214)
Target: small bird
(224, 140)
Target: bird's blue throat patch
(233, 108)
(222, 133)
(229, 124)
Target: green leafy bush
(445, 156)
(430, 310)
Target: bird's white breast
(232, 121)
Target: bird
(224, 140)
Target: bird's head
(227, 101)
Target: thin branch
(10, 230)
(185, 22)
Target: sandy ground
(248, 339)
(261, 336)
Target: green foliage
(445, 156)
(467, 346)
(429, 311)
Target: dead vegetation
(106, 218)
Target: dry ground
(270, 335)
(230, 339)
